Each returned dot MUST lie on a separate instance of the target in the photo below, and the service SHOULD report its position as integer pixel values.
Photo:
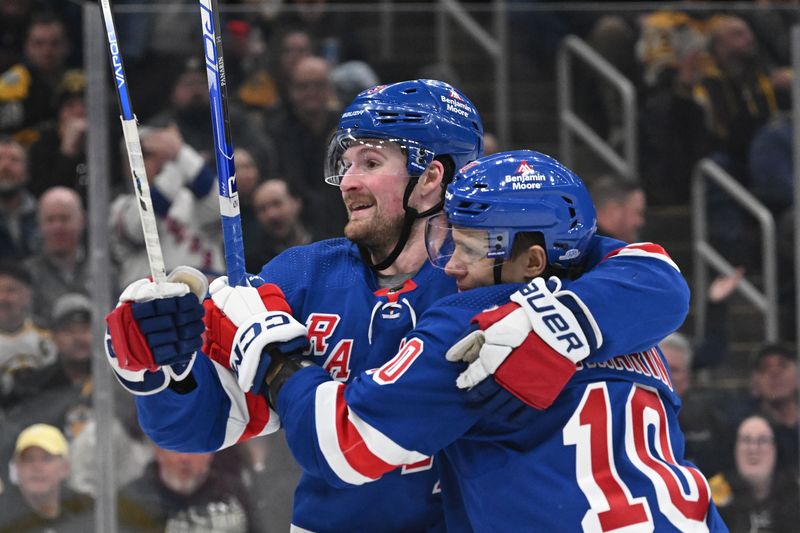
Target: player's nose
(351, 180)
(454, 268)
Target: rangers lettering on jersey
(320, 328)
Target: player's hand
(245, 324)
(158, 324)
(530, 345)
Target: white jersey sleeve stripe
(239, 419)
(325, 416)
(355, 450)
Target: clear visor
(445, 242)
(338, 160)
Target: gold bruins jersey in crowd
(30, 347)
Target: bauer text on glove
(531, 345)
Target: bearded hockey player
(394, 153)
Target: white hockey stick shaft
(130, 131)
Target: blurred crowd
(710, 85)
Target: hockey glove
(158, 324)
(530, 345)
(245, 324)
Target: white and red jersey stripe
(644, 249)
(357, 452)
(250, 415)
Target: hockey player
(396, 148)
(601, 451)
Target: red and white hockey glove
(247, 325)
(530, 345)
(155, 327)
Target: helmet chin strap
(411, 215)
(497, 270)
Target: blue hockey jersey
(607, 454)
(353, 327)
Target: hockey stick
(223, 146)
(131, 133)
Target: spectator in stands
(620, 206)
(62, 266)
(41, 501)
(758, 494)
(738, 96)
(50, 392)
(272, 476)
(700, 417)
(336, 31)
(293, 44)
(301, 130)
(189, 110)
(672, 54)
(58, 156)
(27, 88)
(667, 38)
(23, 345)
(132, 453)
(246, 66)
(771, 168)
(714, 349)
(18, 228)
(248, 178)
(352, 77)
(702, 102)
(61, 394)
(774, 387)
(772, 25)
(186, 204)
(155, 44)
(678, 351)
(14, 19)
(277, 209)
(614, 38)
(57, 393)
(248, 175)
(72, 16)
(185, 492)
(170, 37)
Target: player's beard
(379, 233)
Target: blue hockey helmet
(512, 192)
(426, 118)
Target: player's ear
(433, 176)
(536, 261)
(428, 190)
